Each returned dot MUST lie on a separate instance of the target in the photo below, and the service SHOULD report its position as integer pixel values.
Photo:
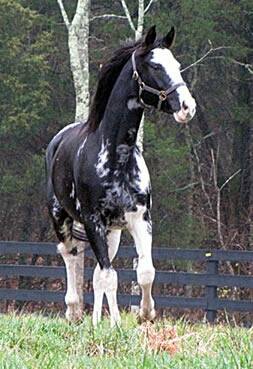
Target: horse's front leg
(139, 225)
(113, 240)
(105, 280)
(102, 285)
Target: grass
(37, 342)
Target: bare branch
(64, 14)
(229, 179)
(202, 182)
(96, 39)
(129, 18)
(214, 162)
(186, 187)
(211, 50)
(105, 16)
(148, 6)
(205, 138)
(248, 66)
(218, 203)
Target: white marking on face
(72, 193)
(102, 160)
(165, 58)
(133, 104)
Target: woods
(202, 174)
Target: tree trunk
(78, 37)
(79, 58)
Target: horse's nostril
(185, 106)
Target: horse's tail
(50, 153)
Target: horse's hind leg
(71, 254)
(70, 250)
(106, 281)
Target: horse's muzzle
(187, 111)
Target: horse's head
(158, 75)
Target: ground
(39, 342)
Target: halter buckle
(162, 95)
(135, 75)
(142, 85)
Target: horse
(97, 179)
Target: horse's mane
(107, 78)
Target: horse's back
(58, 139)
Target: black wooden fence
(211, 279)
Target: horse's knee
(145, 274)
(62, 249)
(71, 298)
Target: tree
(78, 36)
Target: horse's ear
(150, 37)
(169, 39)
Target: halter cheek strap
(162, 94)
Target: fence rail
(211, 279)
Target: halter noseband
(162, 94)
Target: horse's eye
(153, 66)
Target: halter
(162, 94)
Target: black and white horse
(97, 177)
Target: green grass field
(37, 342)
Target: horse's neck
(122, 116)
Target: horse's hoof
(74, 314)
(115, 322)
(147, 315)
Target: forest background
(202, 173)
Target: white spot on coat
(72, 193)
(144, 181)
(56, 207)
(65, 230)
(82, 146)
(78, 205)
(133, 104)
(102, 160)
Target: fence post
(211, 291)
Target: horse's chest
(120, 197)
(124, 186)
